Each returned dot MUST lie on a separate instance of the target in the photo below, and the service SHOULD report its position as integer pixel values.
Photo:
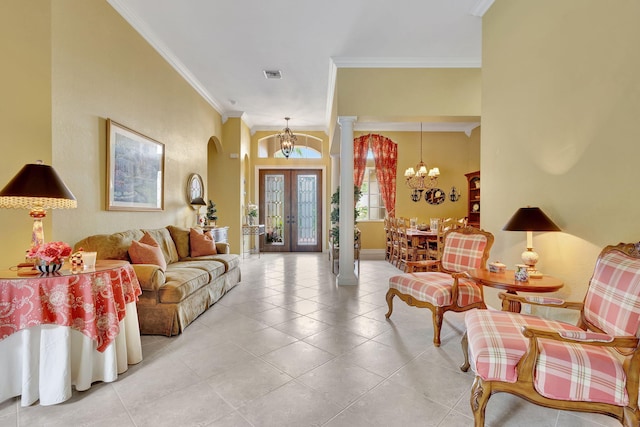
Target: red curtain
(385, 153)
(360, 148)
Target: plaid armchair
(591, 367)
(448, 287)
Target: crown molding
(164, 51)
(481, 7)
(357, 62)
(293, 129)
(466, 127)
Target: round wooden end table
(506, 281)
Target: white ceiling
(222, 47)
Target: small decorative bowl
(49, 268)
(497, 267)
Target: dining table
(421, 237)
(66, 329)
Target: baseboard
(372, 254)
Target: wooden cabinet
(473, 200)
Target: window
(370, 207)
(300, 153)
(307, 147)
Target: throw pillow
(202, 243)
(147, 251)
(180, 236)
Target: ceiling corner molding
(434, 62)
(237, 115)
(481, 7)
(163, 50)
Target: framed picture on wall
(135, 170)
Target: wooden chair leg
(389, 298)
(438, 315)
(465, 351)
(631, 416)
(480, 394)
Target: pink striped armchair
(591, 367)
(447, 287)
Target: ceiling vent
(272, 74)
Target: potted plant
(252, 213)
(335, 214)
(212, 215)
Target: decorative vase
(251, 220)
(49, 268)
(521, 274)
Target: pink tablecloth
(92, 303)
(69, 330)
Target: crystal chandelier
(420, 179)
(287, 140)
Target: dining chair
(437, 246)
(448, 288)
(388, 232)
(396, 223)
(589, 367)
(409, 252)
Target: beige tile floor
(287, 347)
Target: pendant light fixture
(287, 140)
(419, 179)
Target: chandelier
(287, 140)
(420, 179)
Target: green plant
(252, 210)
(212, 211)
(335, 213)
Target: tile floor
(287, 347)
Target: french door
(291, 210)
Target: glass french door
(291, 210)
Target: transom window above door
(307, 147)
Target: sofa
(173, 298)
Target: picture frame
(135, 170)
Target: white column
(347, 275)
(335, 172)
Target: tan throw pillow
(147, 251)
(180, 236)
(202, 243)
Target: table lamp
(530, 219)
(197, 203)
(37, 187)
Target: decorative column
(347, 275)
(335, 172)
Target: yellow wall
(378, 93)
(226, 192)
(440, 95)
(559, 128)
(25, 110)
(99, 68)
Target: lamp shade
(37, 186)
(198, 201)
(530, 219)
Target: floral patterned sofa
(171, 299)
